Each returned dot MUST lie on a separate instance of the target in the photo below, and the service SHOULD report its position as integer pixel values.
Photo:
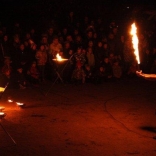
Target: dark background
(37, 13)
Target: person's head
(79, 50)
(106, 60)
(67, 45)
(111, 56)
(115, 30)
(78, 38)
(65, 31)
(27, 36)
(71, 13)
(44, 40)
(5, 38)
(7, 61)
(76, 32)
(105, 45)
(50, 31)
(42, 47)
(100, 44)
(101, 69)
(147, 51)
(115, 63)
(16, 39)
(7, 72)
(19, 70)
(22, 47)
(56, 40)
(90, 44)
(111, 36)
(33, 64)
(69, 38)
(89, 34)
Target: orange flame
(135, 42)
(58, 57)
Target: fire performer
(135, 42)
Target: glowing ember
(20, 104)
(2, 114)
(2, 89)
(9, 100)
(135, 41)
(58, 57)
(2, 108)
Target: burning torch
(135, 42)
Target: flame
(58, 57)
(2, 108)
(9, 100)
(2, 113)
(19, 103)
(135, 42)
(2, 89)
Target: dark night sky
(37, 9)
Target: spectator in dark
(99, 54)
(41, 57)
(89, 37)
(108, 73)
(131, 73)
(67, 50)
(64, 33)
(89, 74)
(33, 74)
(79, 57)
(22, 57)
(78, 75)
(90, 58)
(50, 35)
(20, 78)
(34, 35)
(5, 78)
(106, 50)
(55, 48)
(117, 70)
(7, 65)
(146, 62)
(6, 46)
(111, 42)
(78, 42)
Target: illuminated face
(56, 41)
(90, 34)
(90, 43)
(106, 60)
(42, 47)
(22, 47)
(67, 45)
(105, 46)
(111, 36)
(100, 44)
(5, 38)
(34, 64)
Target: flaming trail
(135, 42)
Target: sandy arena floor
(112, 119)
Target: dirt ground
(111, 119)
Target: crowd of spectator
(96, 52)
